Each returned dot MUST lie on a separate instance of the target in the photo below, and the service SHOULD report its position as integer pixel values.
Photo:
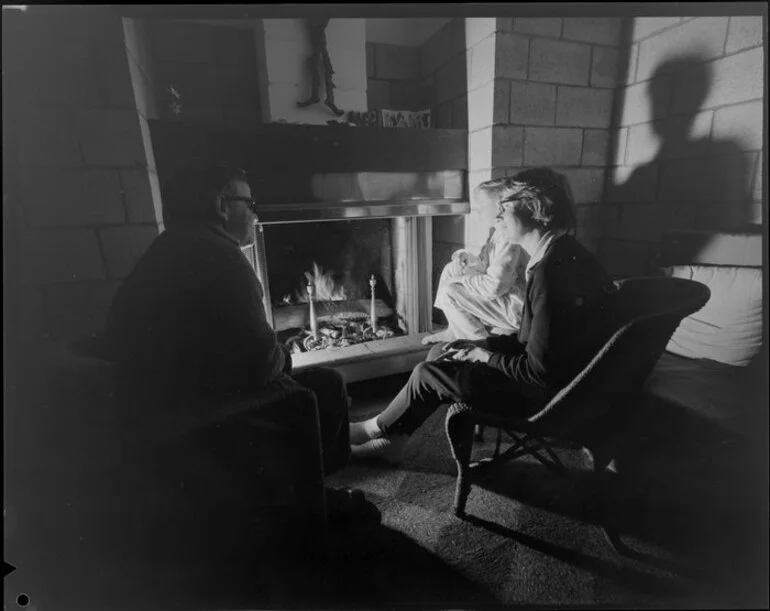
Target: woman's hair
(539, 197)
(190, 192)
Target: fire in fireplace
(332, 283)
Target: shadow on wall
(693, 181)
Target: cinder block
(396, 62)
(450, 80)
(141, 193)
(532, 103)
(539, 26)
(696, 180)
(620, 140)
(723, 216)
(47, 136)
(488, 105)
(556, 61)
(351, 31)
(584, 107)
(604, 67)
(347, 99)
(632, 184)
(370, 65)
(744, 32)
(124, 246)
(378, 94)
(480, 149)
(589, 219)
(587, 184)
(349, 68)
(697, 127)
(234, 46)
(741, 124)
(758, 177)
(598, 30)
(647, 26)
(114, 76)
(449, 228)
(444, 116)
(624, 259)
(433, 52)
(287, 62)
(595, 147)
(633, 59)
(511, 56)
(111, 138)
(460, 113)
(481, 62)
(479, 28)
(507, 146)
(146, 95)
(552, 146)
(736, 78)
(640, 222)
(60, 255)
(635, 104)
(643, 143)
(704, 36)
(174, 41)
(237, 90)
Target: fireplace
(344, 240)
(354, 282)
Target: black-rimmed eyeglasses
(252, 203)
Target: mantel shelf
(347, 210)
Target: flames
(325, 287)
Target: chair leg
(460, 432)
(604, 471)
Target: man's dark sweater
(189, 320)
(562, 322)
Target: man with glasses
(189, 323)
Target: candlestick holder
(311, 303)
(372, 307)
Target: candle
(372, 310)
(311, 302)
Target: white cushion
(728, 329)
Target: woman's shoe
(388, 449)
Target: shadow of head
(678, 86)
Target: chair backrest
(645, 312)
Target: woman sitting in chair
(477, 293)
(564, 306)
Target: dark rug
(699, 531)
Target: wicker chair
(592, 409)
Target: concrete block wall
(283, 47)
(442, 64)
(443, 72)
(393, 78)
(556, 79)
(687, 136)
(212, 67)
(84, 203)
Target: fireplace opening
(333, 283)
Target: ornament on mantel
(317, 31)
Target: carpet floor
(531, 538)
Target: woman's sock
(389, 449)
(361, 432)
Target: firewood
(298, 315)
